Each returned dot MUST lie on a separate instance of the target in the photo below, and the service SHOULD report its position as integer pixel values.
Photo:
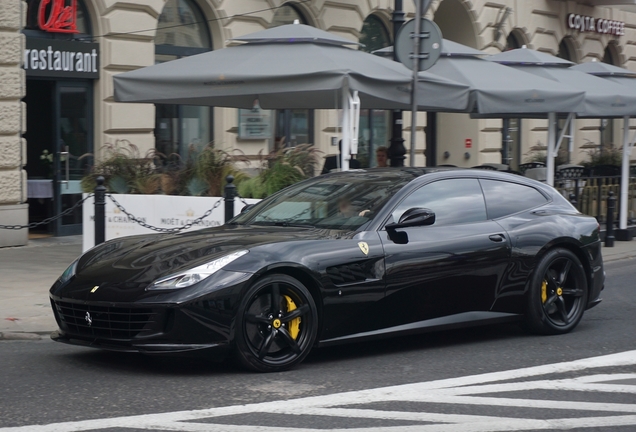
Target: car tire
(557, 294)
(277, 324)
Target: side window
(504, 198)
(454, 201)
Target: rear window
(505, 198)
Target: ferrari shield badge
(95, 288)
(364, 247)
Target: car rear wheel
(557, 294)
(276, 325)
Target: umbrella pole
(552, 120)
(627, 147)
(416, 67)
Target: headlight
(197, 274)
(69, 272)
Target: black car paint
(358, 296)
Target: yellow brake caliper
(544, 291)
(294, 325)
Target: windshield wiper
(282, 223)
(295, 225)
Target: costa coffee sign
(58, 16)
(587, 24)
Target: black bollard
(609, 233)
(100, 211)
(230, 193)
(573, 200)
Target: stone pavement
(27, 273)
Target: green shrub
(603, 155)
(202, 173)
(284, 167)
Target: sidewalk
(27, 273)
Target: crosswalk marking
(455, 391)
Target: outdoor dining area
(520, 83)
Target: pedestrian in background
(382, 156)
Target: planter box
(161, 211)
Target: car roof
(408, 174)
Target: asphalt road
(44, 383)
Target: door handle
(497, 237)
(66, 168)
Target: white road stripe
(568, 385)
(447, 389)
(530, 403)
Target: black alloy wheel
(276, 325)
(557, 293)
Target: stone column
(13, 196)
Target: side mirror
(414, 217)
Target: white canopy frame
(554, 143)
(350, 125)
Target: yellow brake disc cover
(294, 325)
(544, 291)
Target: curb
(17, 336)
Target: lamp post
(397, 150)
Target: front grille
(104, 321)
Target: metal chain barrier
(159, 229)
(48, 220)
(242, 199)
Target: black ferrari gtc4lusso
(338, 258)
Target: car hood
(140, 260)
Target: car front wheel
(276, 325)
(557, 293)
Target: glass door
(73, 151)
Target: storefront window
(567, 50)
(514, 41)
(374, 124)
(182, 31)
(374, 34)
(295, 126)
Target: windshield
(342, 202)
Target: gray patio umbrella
(627, 79)
(602, 97)
(291, 66)
(497, 91)
(500, 91)
(606, 70)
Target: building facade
(13, 196)
(58, 57)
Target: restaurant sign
(58, 16)
(587, 24)
(61, 59)
(255, 123)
